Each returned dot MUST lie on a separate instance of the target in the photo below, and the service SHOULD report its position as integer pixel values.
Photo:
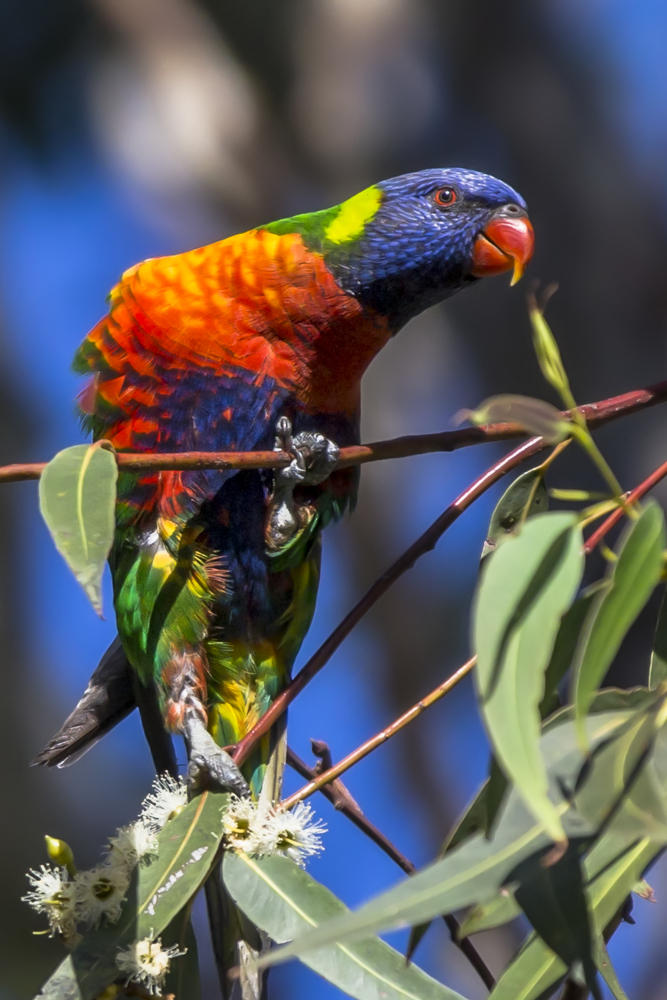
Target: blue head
(413, 240)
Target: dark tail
(112, 693)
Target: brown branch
(345, 804)
(405, 562)
(320, 780)
(596, 414)
(639, 491)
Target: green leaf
(183, 977)
(529, 583)
(494, 912)
(548, 354)
(658, 668)
(608, 971)
(284, 900)
(77, 498)
(523, 498)
(158, 891)
(477, 868)
(537, 968)
(552, 897)
(534, 415)
(563, 652)
(631, 581)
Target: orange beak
(506, 244)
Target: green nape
(332, 226)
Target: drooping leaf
(537, 968)
(77, 498)
(183, 976)
(523, 498)
(157, 893)
(607, 970)
(535, 416)
(477, 868)
(284, 901)
(529, 583)
(552, 897)
(495, 912)
(658, 668)
(632, 579)
(563, 651)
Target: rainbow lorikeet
(256, 341)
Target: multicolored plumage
(206, 350)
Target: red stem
(639, 491)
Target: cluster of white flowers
(147, 963)
(258, 828)
(87, 896)
(72, 899)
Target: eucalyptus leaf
(477, 868)
(536, 967)
(529, 583)
(158, 891)
(494, 912)
(77, 499)
(183, 977)
(658, 668)
(284, 901)
(607, 970)
(535, 416)
(522, 499)
(552, 898)
(632, 579)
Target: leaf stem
(632, 497)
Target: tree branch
(596, 415)
(345, 804)
(320, 780)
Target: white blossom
(100, 892)
(243, 824)
(52, 893)
(132, 844)
(147, 963)
(291, 832)
(168, 798)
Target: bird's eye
(445, 197)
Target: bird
(258, 340)
(254, 342)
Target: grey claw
(209, 763)
(318, 454)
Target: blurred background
(133, 128)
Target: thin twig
(362, 751)
(424, 544)
(616, 515)
(345, 804)
(596, 415)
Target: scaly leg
(209, 763)
(315, 458)
(185, 713)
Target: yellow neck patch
(353, 216)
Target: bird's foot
(315, 458)
(209, 764)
